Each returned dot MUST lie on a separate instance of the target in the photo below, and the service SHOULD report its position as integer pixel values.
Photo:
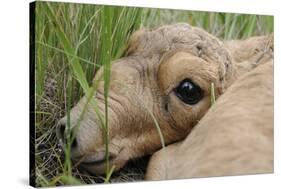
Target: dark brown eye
(189, 92)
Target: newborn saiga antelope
(165, 77)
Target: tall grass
(72, 42)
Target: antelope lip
(94, 159)
(95, 166)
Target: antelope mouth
(94, 163)
(94, 159)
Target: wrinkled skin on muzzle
(149, 87)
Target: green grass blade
(74, 62)
(249, 31)
(106, 180)
(213, 94)
(106, 60)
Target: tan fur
(141, 93)
(250, 52)
(234, 137)
(253, 49)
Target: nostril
(60, 130)
(74, 144)
(64, 136)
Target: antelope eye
(189, 92)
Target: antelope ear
(134, 42)
(267, 50)
(251, 52)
